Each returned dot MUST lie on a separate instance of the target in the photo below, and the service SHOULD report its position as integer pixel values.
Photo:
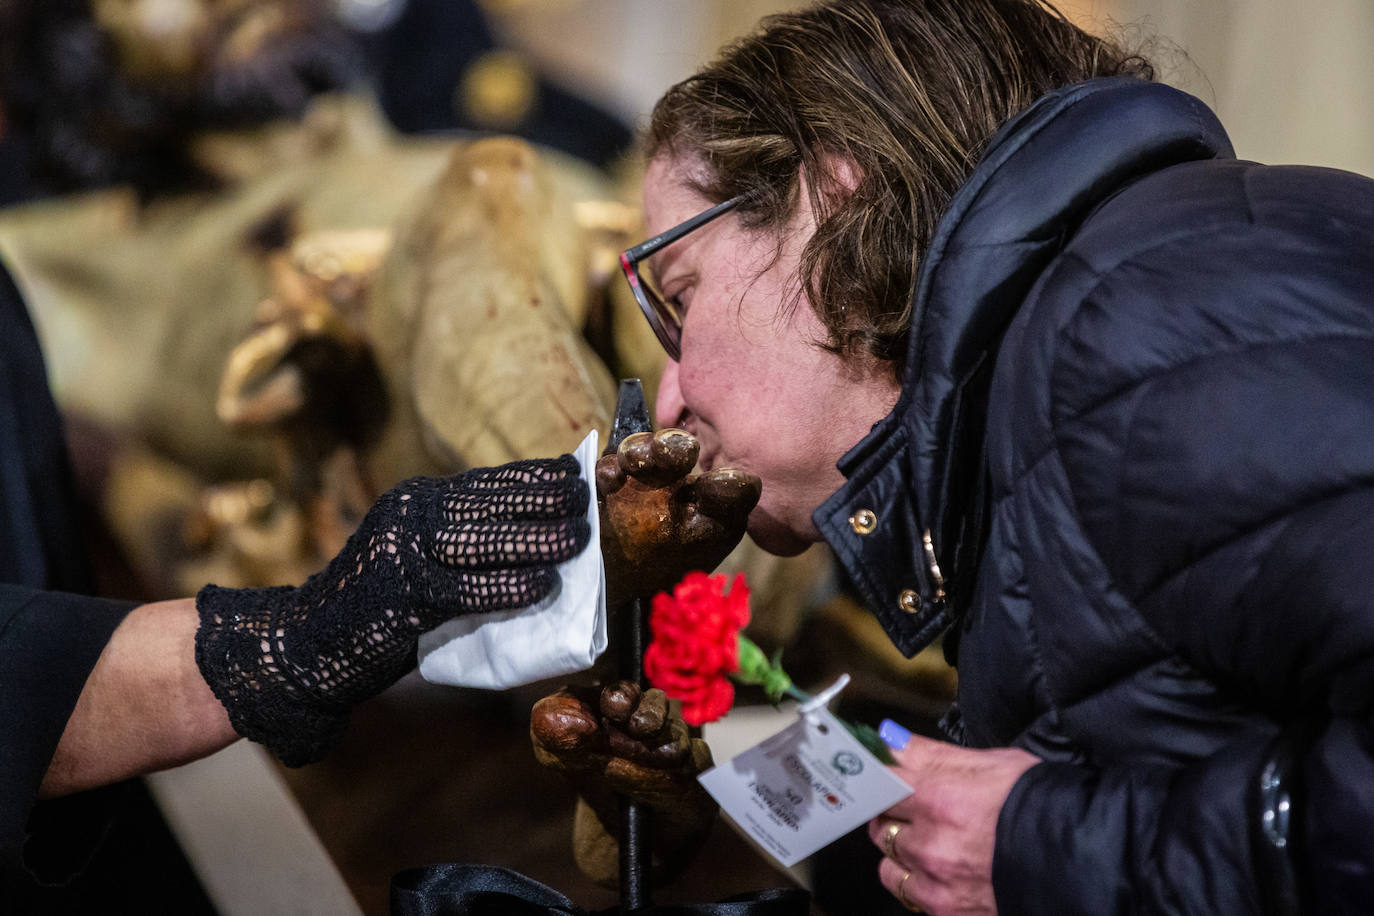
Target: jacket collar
(920, 472)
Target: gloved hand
(290, 663)
(625, 741)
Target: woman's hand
(937, 842)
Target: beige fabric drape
(1291, 81)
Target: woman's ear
(839, 173)
(838, 176)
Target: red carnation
(696, 643)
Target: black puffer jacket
(1138, 426)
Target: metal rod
(629, 640)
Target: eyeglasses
(665, 317)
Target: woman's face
(752, 384)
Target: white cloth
(562, 634)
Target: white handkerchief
(562, 634)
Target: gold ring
(890, 839)
(901, 894)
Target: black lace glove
(289, 663)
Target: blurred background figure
(437, 65)
(107, 92)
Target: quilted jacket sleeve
(1214, 414)
(1122, 840)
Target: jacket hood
(907, 524)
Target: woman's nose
(669, 408)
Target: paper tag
(804, 787)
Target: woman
(1007, 326)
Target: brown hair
(907, 91)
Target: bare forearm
(144, 707)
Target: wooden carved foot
(658, 520)
(621, 739)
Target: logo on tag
(848, 763)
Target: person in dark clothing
(96, 95)
(116, 94)
(50, 637)
(438, 68)
(1008, 326)
(94, 691)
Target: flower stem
(864, 734)
(756, 668)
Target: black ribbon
(487, 890)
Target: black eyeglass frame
(667, 324)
